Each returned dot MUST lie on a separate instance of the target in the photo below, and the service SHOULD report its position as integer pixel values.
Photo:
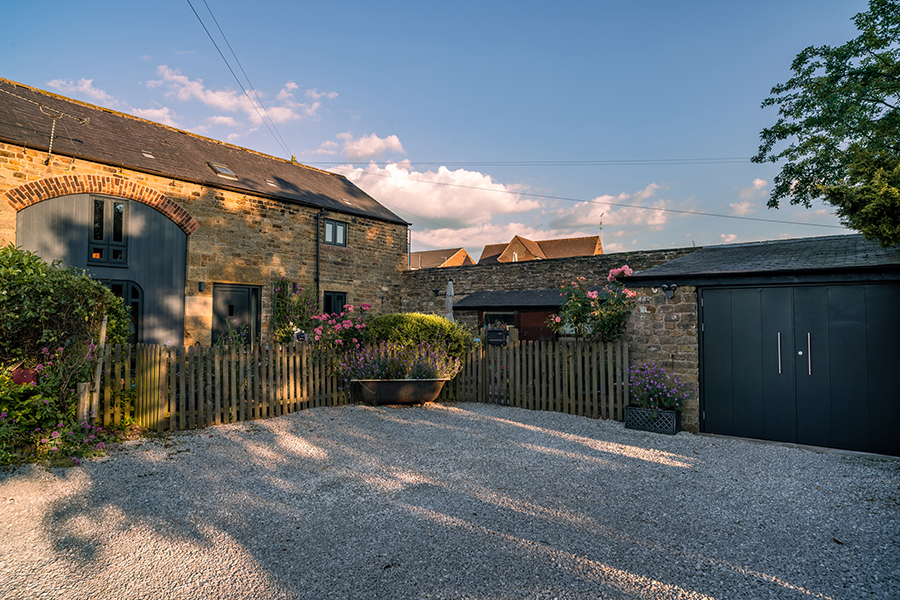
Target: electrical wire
(282, 143)
(233, 74)
(603, 202)
(562, 163)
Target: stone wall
(659, 330)
(664, 331)
(232, 237)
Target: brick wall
(233, 237)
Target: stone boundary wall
(659, 330)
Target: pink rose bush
(598, 314)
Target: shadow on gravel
(454, 501)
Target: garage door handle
(808, 353)
(779, 353)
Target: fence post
(84, 402)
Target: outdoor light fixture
(669, 290)
(436, 293)
(201, 286)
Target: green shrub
(413, 329)
(47, 306)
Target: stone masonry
(232, 237)
(659, 330)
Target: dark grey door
(236, 311)
(805, 364)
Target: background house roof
(121, 140)
(832, 254)
(449, 257)
(560, 248)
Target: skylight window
(270, 182)
(147, 153)
(222, 170)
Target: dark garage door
(816, 364)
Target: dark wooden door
(236, 309)
(814, 365)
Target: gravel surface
(451, 501)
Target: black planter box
(650, 419)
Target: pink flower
(339, 342)
(593, 295)
(348, 307)
(366, 306)
(558, 320)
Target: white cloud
(728, 238)
(457, 199)
(598, 211)
(84, 88)
(744, 207)
(317, 95)
(369, 146)
(184, 89)
(756, 190)
(330, 148)
(160, 115)
(222, 120)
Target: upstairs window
(109, 225)
(335, 233)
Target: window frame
(331, 297)
(107, 244)
(335, 227)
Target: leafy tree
(840, 112)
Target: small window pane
(98, 220)
(118, 222)
(329, 233)
(118, 255)
(341, 230)
(97, 253)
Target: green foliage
(292, 310)
(595, 314)
(841, 111)
(413, 329)
(46, 306)
(33, 425)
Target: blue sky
(475, 121)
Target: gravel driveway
(451, 501)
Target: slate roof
(511, 299)
(491, 253)
(121, 140)
(429, 259)
(839, 253)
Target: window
(222, 170)
(133, 296)
(335, 233)
(334, 302)
(109, 226)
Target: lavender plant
(654, 387)
(393, 360)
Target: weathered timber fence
(168, 389)
(570, 376)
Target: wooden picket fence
(167, 389)
(570, 376)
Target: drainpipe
(318, 252)
(409, 248)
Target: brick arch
(53, 187)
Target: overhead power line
(563, 163)
(601, 202)
(256, 105)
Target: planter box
(398, 391)
(648, 419)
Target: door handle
(779, 353)
(808, 353)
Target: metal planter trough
(651, 419)
(398, 391)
